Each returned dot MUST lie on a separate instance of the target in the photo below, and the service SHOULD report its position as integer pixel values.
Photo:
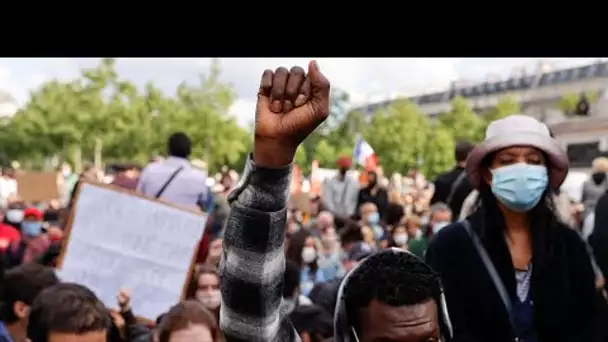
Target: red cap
(29, 212)
(344, 162)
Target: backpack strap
(164, 187)
(489, 265)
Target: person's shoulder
(198, 173)
(569, 236)
(449, 236)
(444, 177)
(7, 229)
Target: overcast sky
(365, 79)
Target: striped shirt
(253, 259)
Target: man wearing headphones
(389, 296)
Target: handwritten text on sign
(120, 240)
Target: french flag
(364, 155)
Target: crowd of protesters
(484, 252)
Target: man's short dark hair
(23, 283)
(394, 279)
(291, 279)
(179, 145)
(351, 233)
(462, 150)
(67, 308)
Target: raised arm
(290, 106)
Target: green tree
(301, 159)
(506, 106)
(325, 154)
(439, 155)
(399, 136)
(338, 131)
(100, 108)
(462, 121)
(568, 101)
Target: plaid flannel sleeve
(253, 259)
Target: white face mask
(210, 299)
(309, 254)
(14, 215)
(400, 239)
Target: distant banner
(37, 186)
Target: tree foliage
(400, 132)
(130, 123)
(568, 101)
(464, 123)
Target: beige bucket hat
(519, 130)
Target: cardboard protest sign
(116, 239)
(37, 186)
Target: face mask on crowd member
(400, 236)
(441, 216)
(520, 185)
(207, 287)
(309, 252)
(369, 214)
(32, 222)
(14, 216)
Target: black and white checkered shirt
(253, 259)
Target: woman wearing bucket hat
(512, 271)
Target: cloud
(365, 79)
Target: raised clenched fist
(290, 106)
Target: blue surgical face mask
(373, 218)
(519, 186)
(31, 228)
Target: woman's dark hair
(184, 314)
(296, 245)
(198, 272)
(542, 218)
